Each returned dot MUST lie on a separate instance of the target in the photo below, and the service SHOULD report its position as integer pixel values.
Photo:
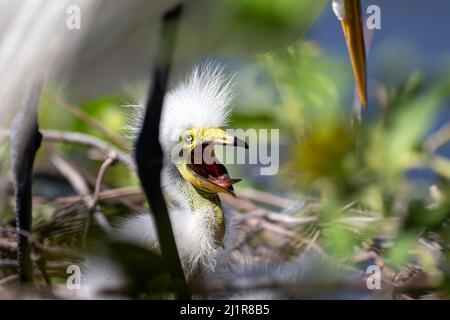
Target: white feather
(35, 44)
(339, 9)
(195, 247)
(201, 101)
(98, 274)
(192, 235)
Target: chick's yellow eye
(189, 138)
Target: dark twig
(81, 187)
(10, 249)
(107, 194)
(41, 263)
(149, 154)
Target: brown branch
(82, 139)
(98, 215)
(267, 198)
(95, 124)
(50, 252)
(71, 174)
(110, 194)
(81, 187)
(110, 160)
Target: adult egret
(29, 59)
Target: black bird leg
(149, 156)
(25, 141)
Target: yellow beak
(220, 137)
(354, 37)
(211, 178)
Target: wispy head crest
(203, 100)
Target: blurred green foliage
(360, 172)
(108, 111)
(242, 28)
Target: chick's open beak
(354, 37)
(208, 174)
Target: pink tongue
(222, 181)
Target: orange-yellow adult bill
(354, 37)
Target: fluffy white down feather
(194, 246)
(201, 101)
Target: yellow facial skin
(190, 139)
(354, 37)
